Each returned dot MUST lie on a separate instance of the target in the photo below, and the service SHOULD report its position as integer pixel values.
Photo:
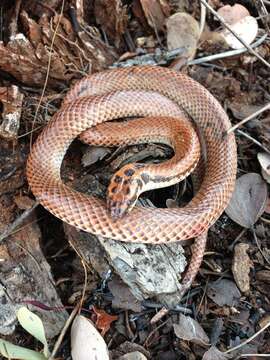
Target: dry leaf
(86, 341)
(94, 154)
(264, 160)
(214, 354)
(246, 29)
(154, 13)
(248, 200)
(263, 275)
(241, 267)
(112, 16)
(183, 32)
(122, 296)
(136, 355)
(190, 330)
(233, 14)
(103, 320)
(224, 292)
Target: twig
(235, 241)
(47, 72)
(226, 54)
(263, 13)
(253, 355)
(259, 246)
(252, 116)
(8, 231)
(240, 132)
(243, 42)
(249, 339)
(63, 332)
(202, 19)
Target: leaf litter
(234, 277)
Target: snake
(182, 114)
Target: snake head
(123, 191)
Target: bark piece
(12, 99)
(26, 276)
(73, 53)
(148, 270)
(112, 16)
(241, 267)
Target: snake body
(144, 91)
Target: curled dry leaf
(233, 14)
(86, 341)
(248, 200)
(241, 267)
(264, 160)
(190, 330)
(183, 32)
(223, 292)
(246, 29)
(103, 320)
(214, 354)
(240, 21)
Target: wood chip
(241, 267)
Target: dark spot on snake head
(139, 183)
(129, 172)
(117, 179)
(145, 178)
(126, 182)
(114, 189)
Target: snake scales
(144, 91)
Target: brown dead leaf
(248, 200)
(214, 354)
(103, 320)
(86, 341)
(23, 202)
(263, 275)
(112, 16)
(264, 160)
(183, 32)
(223, 292)
(154, 13)
(241, 267)
(190, 330)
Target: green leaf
(11, 351)
(33, 325)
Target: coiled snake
(145, 91)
